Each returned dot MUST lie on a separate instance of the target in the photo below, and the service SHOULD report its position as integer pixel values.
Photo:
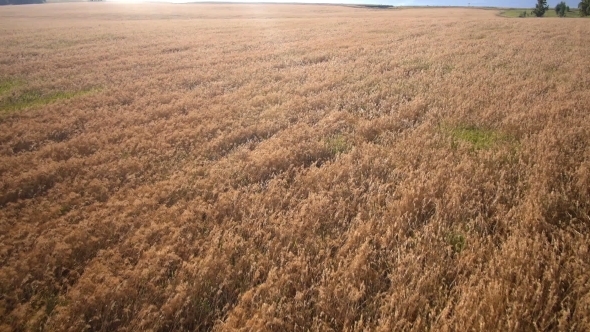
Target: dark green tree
(560, 9)
(541, 8)
(584, 7)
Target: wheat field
(292, 168)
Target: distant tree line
(560, 9)
(19, 2)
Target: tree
(584, 7)
(542, 7)
(560, 9)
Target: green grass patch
(457, 241)
(337, 144)
(31, 98)
(6, 85)
(447, 68)
(479, 138)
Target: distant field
(285, 168)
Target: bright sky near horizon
(474, 3)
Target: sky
(477, 3)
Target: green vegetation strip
(32, 98)
(518, 12)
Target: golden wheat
(282, 167)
